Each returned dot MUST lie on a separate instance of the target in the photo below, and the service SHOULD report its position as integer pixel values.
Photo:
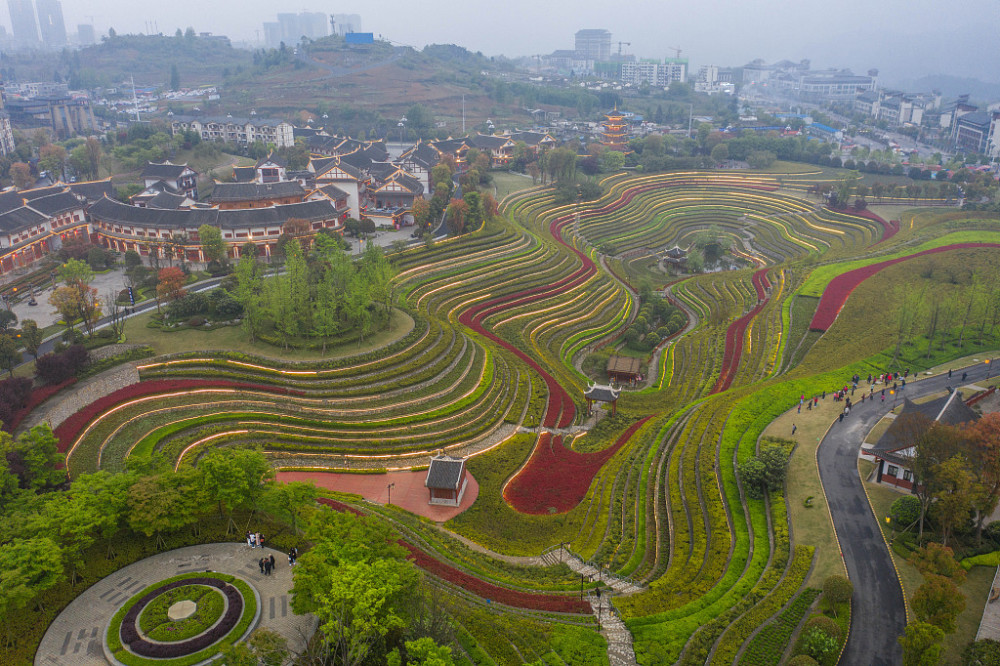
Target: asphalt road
(141, 308)
(878, 613)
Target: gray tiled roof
(54, 204)
(165, 170)
(949, 410)
(109, 210)
(602, 393)
(445, 473)
(255, 191)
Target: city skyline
(901, 39)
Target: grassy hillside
(148, 58)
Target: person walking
(794, 428)
(964, 374)
(267, 567)
(272, 562)
(949, 373)
(260, 563)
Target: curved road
(878, 613)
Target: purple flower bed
(137, 644)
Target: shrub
(188, 306)
(837, 590)
(14, 394)
(818, 644)
(985, 652)
(905, 511)
(803, 660)
(824, 624)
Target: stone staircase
(559, 554)
(619, 638)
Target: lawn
(232, 338)
(811, 525)
(508, 183)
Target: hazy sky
(902, 38)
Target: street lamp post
(402, 126)
(389, 488)
(582, 578)
(989, 368)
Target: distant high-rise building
(314, 25)
(272, 34)
(345, 23)
(291, 33)
(85, 34)
(22, 22)
(50, 23)
(593, 44)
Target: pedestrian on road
(964, 375)
(794, 428)
(267, 567)
(949, 373)
(272, 561)
(260, 563)
(800, 408)
(883, 396)
(842, 417)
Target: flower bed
(841, 287)
(70, 429)
(735, 334)
(37, 397)
(556, 478)
(889, 229)
(129, 647)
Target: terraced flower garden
(504, 318)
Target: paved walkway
(75, 637)
(989, 625)
(408, 491)
(878, 614)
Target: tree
(952, 495)
(75, 272)
(837, 590)
(93, 147)
(938, 602)
(921, 644)
(7, 321)
(421, 212)
(10, 356)
(457, 211)
(265, 648)
(248, 294)
(983, 440)
(164, 503)
(171, 283)
(933, 444)
(905, 511)
(30, 566)
(422, 652)
(52, 158)
(175, 78)
(289, 500)
(720, 153)
(938, 560)
(212, 245)
(20, 173)
(233, 478)
(984, 652)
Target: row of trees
(321, 294)
(972, 313)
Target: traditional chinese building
(446, 480)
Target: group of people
(256, 540)
(266, 565)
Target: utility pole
(690, 118)
(463, 115)
(135, 100)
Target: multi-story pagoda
(615, 131)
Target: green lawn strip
(129, 659)
(156, 625)
(776, 598)
(821, 276)
(770, 643)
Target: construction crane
(620, 47)
(677, 51)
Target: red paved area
(408, 493)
